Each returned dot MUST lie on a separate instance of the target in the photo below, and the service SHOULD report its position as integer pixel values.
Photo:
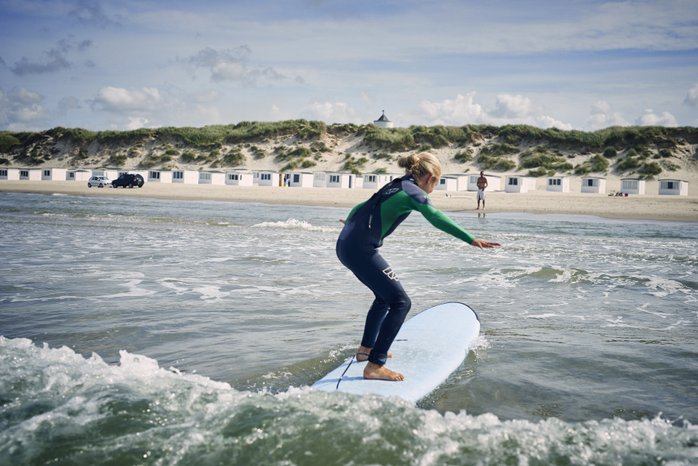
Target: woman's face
(428, 183)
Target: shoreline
(638, 207)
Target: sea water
(143, 331)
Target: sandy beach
(676, 208)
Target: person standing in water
(365, 228)
(481, 185)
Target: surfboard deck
(428, 348)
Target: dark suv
(128, 180)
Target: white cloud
(330, 112)
(508, 109)
(459, 111)
(117, 99)
(233, 65)
(21, 109)
(692, 96)
(603, 116)
(653, 119)
(136, 123)
(546, 121)
(512, 106)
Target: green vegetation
(627, 164)
(547, 162)
(116, 160)
(496, 163)
(541, 172)
(234, 158)
(464, 156)
(187, 156)
(387, 139)
(7, 141)
(610, 153)
(596, 164)
(257, 153)
(294, 158)
(650, 169)
(355, 166)
(499, 149)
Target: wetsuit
(357, 248)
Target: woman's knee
(401, 304)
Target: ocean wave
(294, 224)
(58, 406)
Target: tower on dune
(383, 122)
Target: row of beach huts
(457, 182)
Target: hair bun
(420, 164)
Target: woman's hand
(482, 244)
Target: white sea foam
(178, 417)
(294, 224)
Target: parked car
(128, 180)
(99, 181)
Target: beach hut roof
(383, 117)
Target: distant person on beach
(481, 185)
(357, 248)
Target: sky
(572, 64)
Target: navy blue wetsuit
(357, 248)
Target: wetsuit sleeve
(443, 222)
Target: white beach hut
(109, 173)
(212, 177)
(494, 182)
(9, 174)
(185, 176)
(632, 186)
(301, 180)
(558, 184)
(447, 183)
(267, 178)
(30, 174)
(454, 182)
(377, 180)
(80, 174)
(54, 174)
(673, 187)
(342, 180)
(160, 176)
(320, 179)
(594, 185)
(519, 184)
(239, 178)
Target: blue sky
(129, 64)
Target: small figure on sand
(357, 248)
(481, 185)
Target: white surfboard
(428, 348)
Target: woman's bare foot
(375, 372)
(363, 352)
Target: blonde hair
(419, 165)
